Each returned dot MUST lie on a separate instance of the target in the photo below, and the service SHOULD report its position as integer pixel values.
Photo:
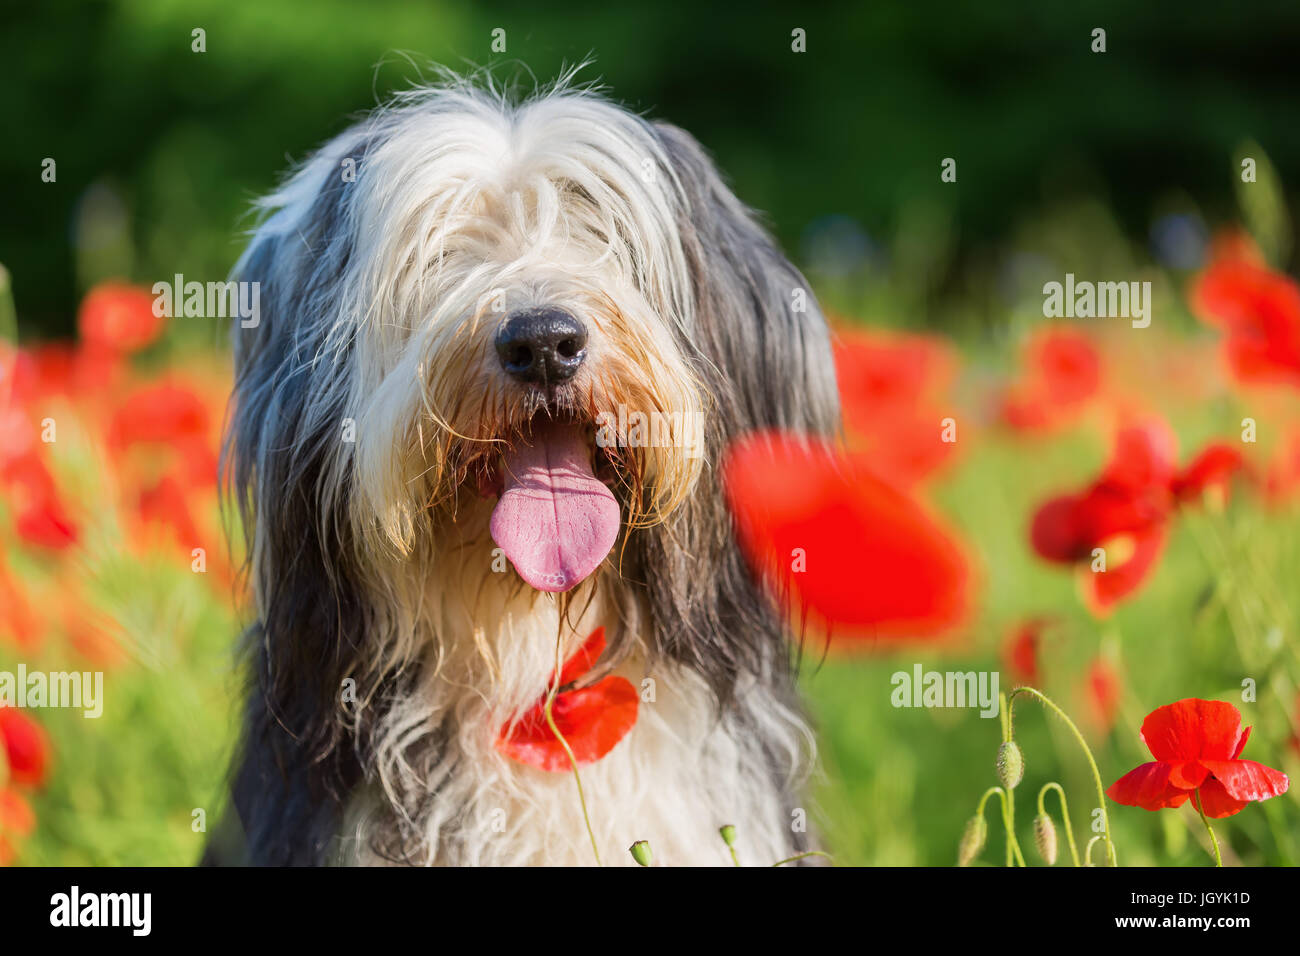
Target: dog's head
(556, 304)
(548, 318)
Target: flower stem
(1047, 702)
(1214, 841)
(1065, 815)
(1014, 855)
(799, 856)
(573, 761)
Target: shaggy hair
(370, 408)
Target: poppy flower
(40, 518)
(119, 317)
(61, 369)
(1101, 689)
(165, 506)
(16, 820)
(1208, 474)
(1123, 512)
(839, 544)
(26, 747)
(1197, 745)
(1257, 309)
(592, 719)
(1020, 652)
(891, 392)
(161, 413)
(1062, 373)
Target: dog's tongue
(555, 520)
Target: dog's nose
(542, 345)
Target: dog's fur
(368, 403)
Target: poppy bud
(972, 840)
(640, 851)
(728, 833)
(1011, 765)
(1045, 838)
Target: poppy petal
(592, 720)
(1193, 729)
(584, 658)
(1103, 589)
(1147, 787)
(1187, 774)
(839, 543)
(1216, 800)
(1248, 780)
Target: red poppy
(1197, 745)
(1102, 689)
(16, 820)
(119, 317)
(859, 556)
(162, 413)
(1062, 373)
(891, 391)
(1259, 312)
(62, 369)
(1208, 474)
(1123, 513)
(26, 747)
(39, 515)
(165, 505)
(592, 719)
(1020, 652)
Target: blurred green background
(839, 145)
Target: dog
(454, 292)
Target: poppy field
(1100, 518)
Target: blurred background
(1118, 165)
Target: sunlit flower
(1197, 745)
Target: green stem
(798, 856)
(573, 761)
(1214, 841)
(1065, 815)
(1047, 702)
(1014, 855)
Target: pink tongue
(555, 520)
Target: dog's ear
(760, 346)
(283, 465)
(757, 322)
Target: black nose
(542, 345)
